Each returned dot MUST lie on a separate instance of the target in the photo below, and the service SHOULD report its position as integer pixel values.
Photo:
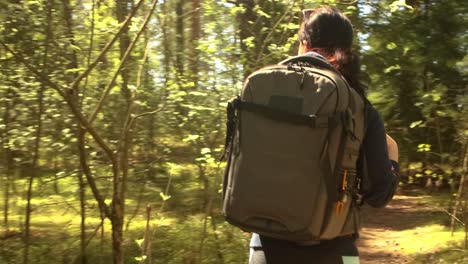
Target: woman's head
(328, 32)
(327, 28)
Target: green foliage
(415, 44)
(177, 84)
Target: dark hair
(330, 33)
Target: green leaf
(424, 148)
(164, 196)
(191, 138)
(249, 42)
(139, 241)
(405, 50)
(392, 68)
(140, 258)
(74, 47)
(395, 5)
(237, 10)
(416, 124)
(415, 165)
(205, 151)
(173, 168)
(195, 93)
(391, 45)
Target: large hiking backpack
(292, 143)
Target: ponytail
(330, 33)
(347, 63)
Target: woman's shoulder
(372, 115)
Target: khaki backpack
(292, 145)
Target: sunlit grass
(177, 231)
(425, 239)
(419, 240)
(450, 255)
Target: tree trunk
(462, 197)
(180, 41)
(80, 134)
(195, 53)
(166, 43)
(121, 169)
(37, 141)
(8, 158)
(206, 208)
(146, 249)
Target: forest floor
(411, 229)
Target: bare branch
(142, 65)
(55, 204)
(61, 177)
(104, 208)
(453, 217)
(132, 119)
(149, 113)
(348, 3)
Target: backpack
(292, 144)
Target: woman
(325, 32)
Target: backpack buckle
(319, 121)
(313, 121)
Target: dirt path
(385, 231)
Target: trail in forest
(383, 238)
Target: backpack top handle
(311, 59)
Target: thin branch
(95, 232)
(84, 164)
(272, 30)
(132, 120)
(55, 204)
(107, 47)
(190, 12)
(122, 63)
(445, 211)
(61, 177)
(453, 217)
(149, 113)
(91, 45)
(348, 3)
(142, 65)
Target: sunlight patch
(350, 259)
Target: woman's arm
(381, 160)
(392, 148)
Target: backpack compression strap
(313, 121)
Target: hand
(392, 147)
